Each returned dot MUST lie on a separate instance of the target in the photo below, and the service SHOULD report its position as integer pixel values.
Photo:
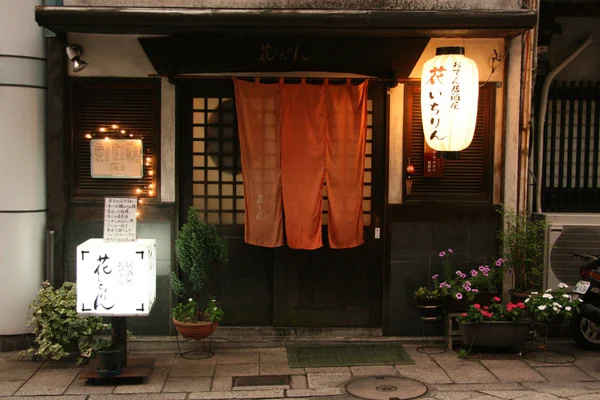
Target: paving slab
(187, 384)
(153, 384)
(237, 357)
(236, 369)
(192, 368)
(315, 392)
(590, 366)
(319, 380)
(145, 396)
(425, 369)
(454, 395)
(562, 389)
(8, 388)
(474, 387)
(15, 370)
(509, 394)
(273, 355)
(81, 386)
(49, 382)
(161, 359)
(299, 382)
(464, 371)
(564, 373)
(250, 394)
(63, 397)
(542, 396)
(513, 371)
(328, 369)
(277, 368)
(374, 370)
(222, 383)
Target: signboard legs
(119, 335)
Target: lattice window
(218, 189)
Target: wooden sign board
(120, 217)
(116, 158)
(433, 166)
(116, 279)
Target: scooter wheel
(585, 333)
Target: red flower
(485, 307)
(496, 298)
(463, 314)
(520, 305)
(477, 306)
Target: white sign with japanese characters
(116, 279)
(120, 217)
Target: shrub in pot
(59, 331)
(429, 302)
(200, 250)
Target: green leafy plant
(496, 311)
(200, 249)
(553, 304)
(454, 283)
(463, 353)
(425, 294)
(523, 244)
(58, 329)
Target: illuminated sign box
(116, 158)
(116, 279)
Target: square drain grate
(264, 380)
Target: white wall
(22, 162)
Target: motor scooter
(585, 325)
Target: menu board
(116, 158)
(120, 219)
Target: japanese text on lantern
(102, 272)
(455, 93)
(120, 219)
(437, 73)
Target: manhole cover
(386, 388)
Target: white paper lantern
(449, 92)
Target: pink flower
(499, 262)
(459, 296)
(474, 290)
(435, 276)
(481, 268)
(463, 275)
(450, 251)
(442, 253)
(473, 272)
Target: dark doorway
(281, 286)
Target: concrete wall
(322, 4)
(586, 67)
(22, 162)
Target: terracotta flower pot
(195, 330)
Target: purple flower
(468, 289)
(442, 253)
(458, 272)
(474, 290)
(459, 296)
(485, 273)
(499, 262)
(450, 251)
(467, 286)
(481, 268)
(435, 276)
(463, 275)
(473, 272)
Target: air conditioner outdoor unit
(568, 233)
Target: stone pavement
(446, 376)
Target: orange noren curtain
(258, 125)
(303, 125)
(294, 137)
(344, 162)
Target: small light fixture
(449, 95)
(74, 52)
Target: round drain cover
(386, 388)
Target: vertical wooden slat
(563, 146)
(579, 96)
(570, 139)
(596, 184)
(552, 185)
(587, 183)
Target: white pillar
(22, 162)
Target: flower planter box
(453, 305)
(495, 333)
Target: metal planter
(495, 333)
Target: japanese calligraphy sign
(116, 158)
(449, 94)
(116, 279)
(433, 165)
(120, 219)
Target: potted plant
(496, 325)
(429, 302)
(200, 249)
(523, 245)
(551, 310)
(59, 331)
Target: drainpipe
(542, 119)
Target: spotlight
(73, 52)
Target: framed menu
(116, 158)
